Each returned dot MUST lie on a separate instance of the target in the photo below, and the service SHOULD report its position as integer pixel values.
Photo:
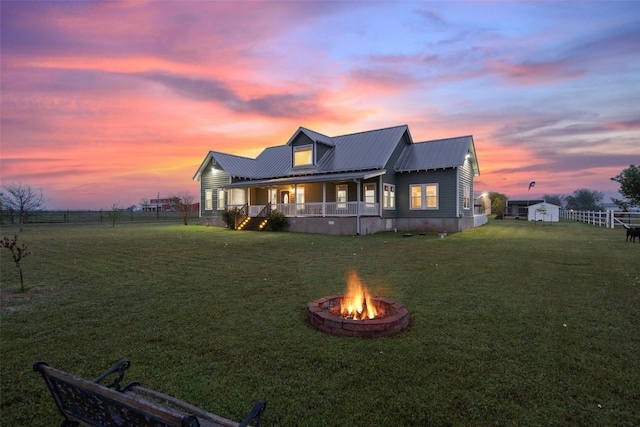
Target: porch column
(295, 200)
(380, 195)
(324, 199)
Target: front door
(284, 200)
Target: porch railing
(320, 209)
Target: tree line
(584, 199)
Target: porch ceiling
(330, 177)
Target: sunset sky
(115, 102)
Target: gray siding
(466, 177)
(312, 192)
(390, 177)
(212, 181)
(447, 185)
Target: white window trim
(466, 197)
(208, 199)
(388, 196)
(222, 200)
(342, 204)
(423, 197)
(302, 148)
(369, 185)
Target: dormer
(308, 148)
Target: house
(157, 205)
(544, 212)
(165, 204)
(361, 183)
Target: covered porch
(352, 195)
(339, 195)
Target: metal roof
(438, 154)
(318, 137)
(274, 161)
(236, 166)
(362, 151)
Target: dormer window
(303, 155)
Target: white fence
(609, 219)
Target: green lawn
(513, 323)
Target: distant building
(520, 208)
(158, 205)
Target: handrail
(266, 211)
(241, 214)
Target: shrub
(277, 221)
(229, 217)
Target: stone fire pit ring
(396, 320)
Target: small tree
(22, 199)
(629, 180)
(115, 213)
(498, 203)
(18, 251)
(183, 203)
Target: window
(303, 155)
(424, 196)
(341, 196)
(431, 191)
(222, 198)
(416, 197)
(370, 194)
(208, 199)
(389, 196)
(466, 200)
(238, 197)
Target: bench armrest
(118, 368)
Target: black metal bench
(84, 402)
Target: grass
(513, 323)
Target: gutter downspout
(357, 181)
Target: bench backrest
(90, 403)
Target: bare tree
(22, 199)
(18, 251)
(183, 203)
(115, 213)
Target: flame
(357, 303)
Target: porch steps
(253, 224)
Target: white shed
(544, 212)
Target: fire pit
(357, 314)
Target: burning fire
(357, 303)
